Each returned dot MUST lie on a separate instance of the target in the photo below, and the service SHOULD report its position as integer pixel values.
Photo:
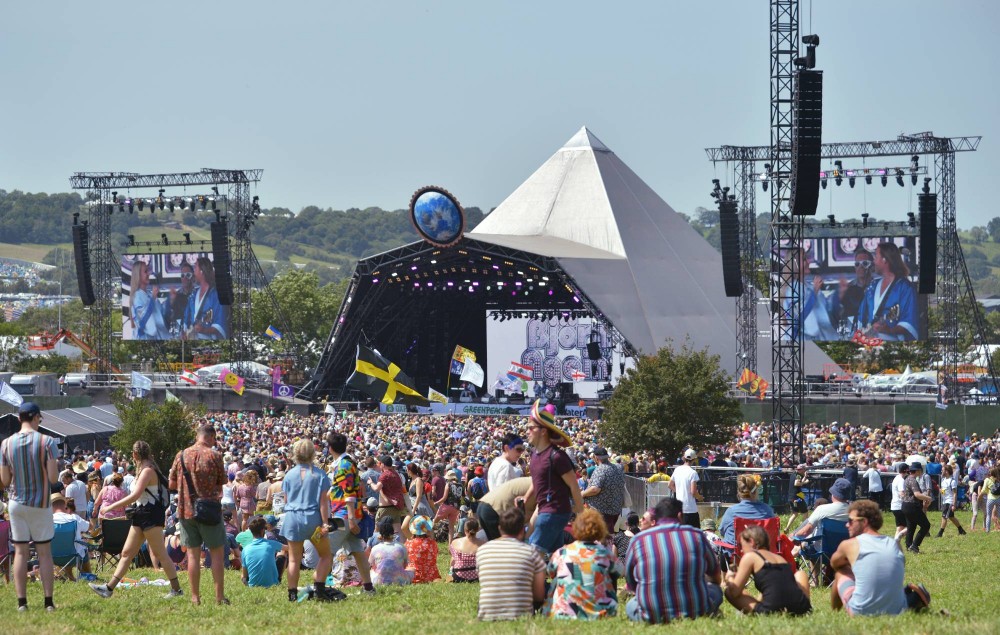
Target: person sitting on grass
(422, 549)
(463, 553)
(511, 573)
(781, 590)
(584, 573)
(870, 568)
(388, 558)
(261, 558)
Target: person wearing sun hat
(553, 480)
(422, 549)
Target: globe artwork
(437, 216)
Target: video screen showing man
(863, 290)
(171, 296)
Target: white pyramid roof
(639, 261)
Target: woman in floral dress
(584, 573)
(422, 549)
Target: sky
(359, 104)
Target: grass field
(29, 252)
(958, 572)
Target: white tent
(639, 261)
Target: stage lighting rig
(899, 177)
(914, 166)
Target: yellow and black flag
(379, 378)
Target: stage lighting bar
(838, 174)
(166, 241)
(170, 203)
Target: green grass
(958, 572)
(30, 252)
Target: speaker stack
(220, 255)
(807, 129)
(729, 232)
(81, 253)
(927, 205)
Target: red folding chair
(6, 551)
(772, 527)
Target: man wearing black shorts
(896, 507)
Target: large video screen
(862, 289)
(170, 297)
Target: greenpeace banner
(481, 409)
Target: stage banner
(475, 409)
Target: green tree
(51, 363)
(993, 229)
(168, 428)
(671, 400)
(309, 308)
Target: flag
(456, 367)
(10, 395)
(578, 375)
(433, 395)
(276, 375)
(751, 383)
(189, 377)
(473, 373)
(171, 397)
(376, 376)
(232, 380)
(273, 333)
(330, 410)
(520, 371)
(462, 354)
(141, 381)
(283, 390)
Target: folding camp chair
(772, 527)
(113, 535)
(6, 551)
(832, 533)
(64, 554)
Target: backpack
(477, 488)
(995, 489)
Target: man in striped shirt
(511, 572)
(672, 570)
(28, 463)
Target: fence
(718, 488)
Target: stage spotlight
(170, 206)
(131, 240)
(838, 173)
(868, 178)
(187, 238)
(864, 220)
(163, 237)
(899, 177)
(822, 182)
(833, 220)
(850, 181)
(885, 180)
(911, 220)
(913, 178)
(203, 201)
(141, 203)
(121, 205)
(114, 197)
(763, 185)
(212, 199)
(183, 202)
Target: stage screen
(843, 293)
(170, 297)
(533, 357)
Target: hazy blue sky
(358, 104)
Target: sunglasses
(187, 275)
(864, 264)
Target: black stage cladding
(416, 303)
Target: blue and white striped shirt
(26, 455)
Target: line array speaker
(220, 255)
(927, 205)
(729, 232)
(81, 253)
(593, 351)
(807, 141)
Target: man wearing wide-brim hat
(553, 480)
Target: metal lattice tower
(105, 270)
(746, 304)
(786, 232)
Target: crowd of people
(529, 508)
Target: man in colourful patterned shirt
(345, 507)
(672, 570)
